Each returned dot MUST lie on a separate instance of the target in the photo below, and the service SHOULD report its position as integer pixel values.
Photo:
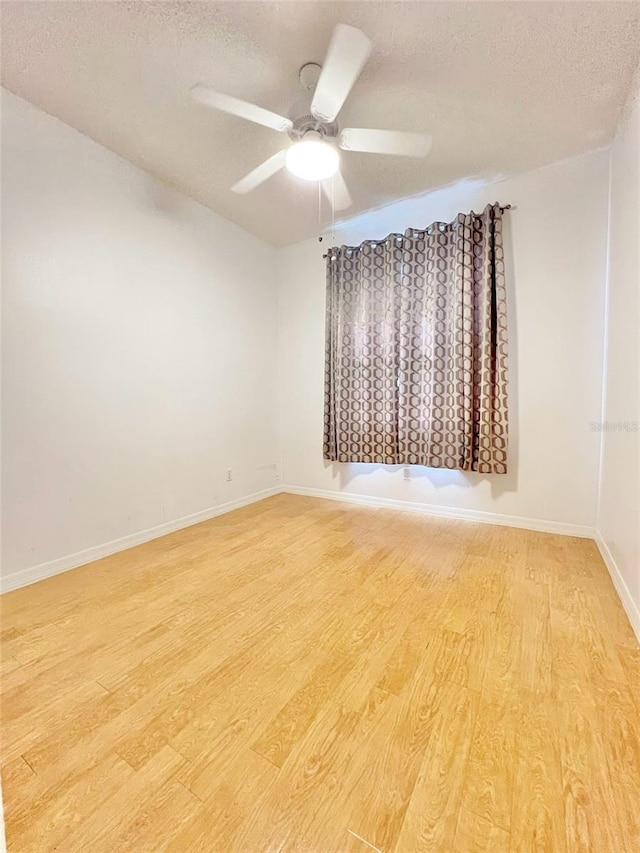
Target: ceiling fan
(316, 137)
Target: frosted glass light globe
(312, 160)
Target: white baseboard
(64, 564)
(630, 606)
(538, 524)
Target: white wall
(619, 507)
(139, 348)
(556, 262)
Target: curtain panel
(416, 348)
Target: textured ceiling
(503, 87)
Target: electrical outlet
(407, 473)
(276, 474)
(229, 475)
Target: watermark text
(613, 426)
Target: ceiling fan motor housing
(308, 122)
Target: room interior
(215, 635)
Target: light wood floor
(303, 675)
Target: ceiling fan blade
(348, 51)
(398, 142)
(261, 173)
(243, 109)
(337, 192)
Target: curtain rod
(502, 207)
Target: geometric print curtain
(416, 348)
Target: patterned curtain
(416, 348)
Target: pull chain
(333, 214)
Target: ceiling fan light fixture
(312, 160)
